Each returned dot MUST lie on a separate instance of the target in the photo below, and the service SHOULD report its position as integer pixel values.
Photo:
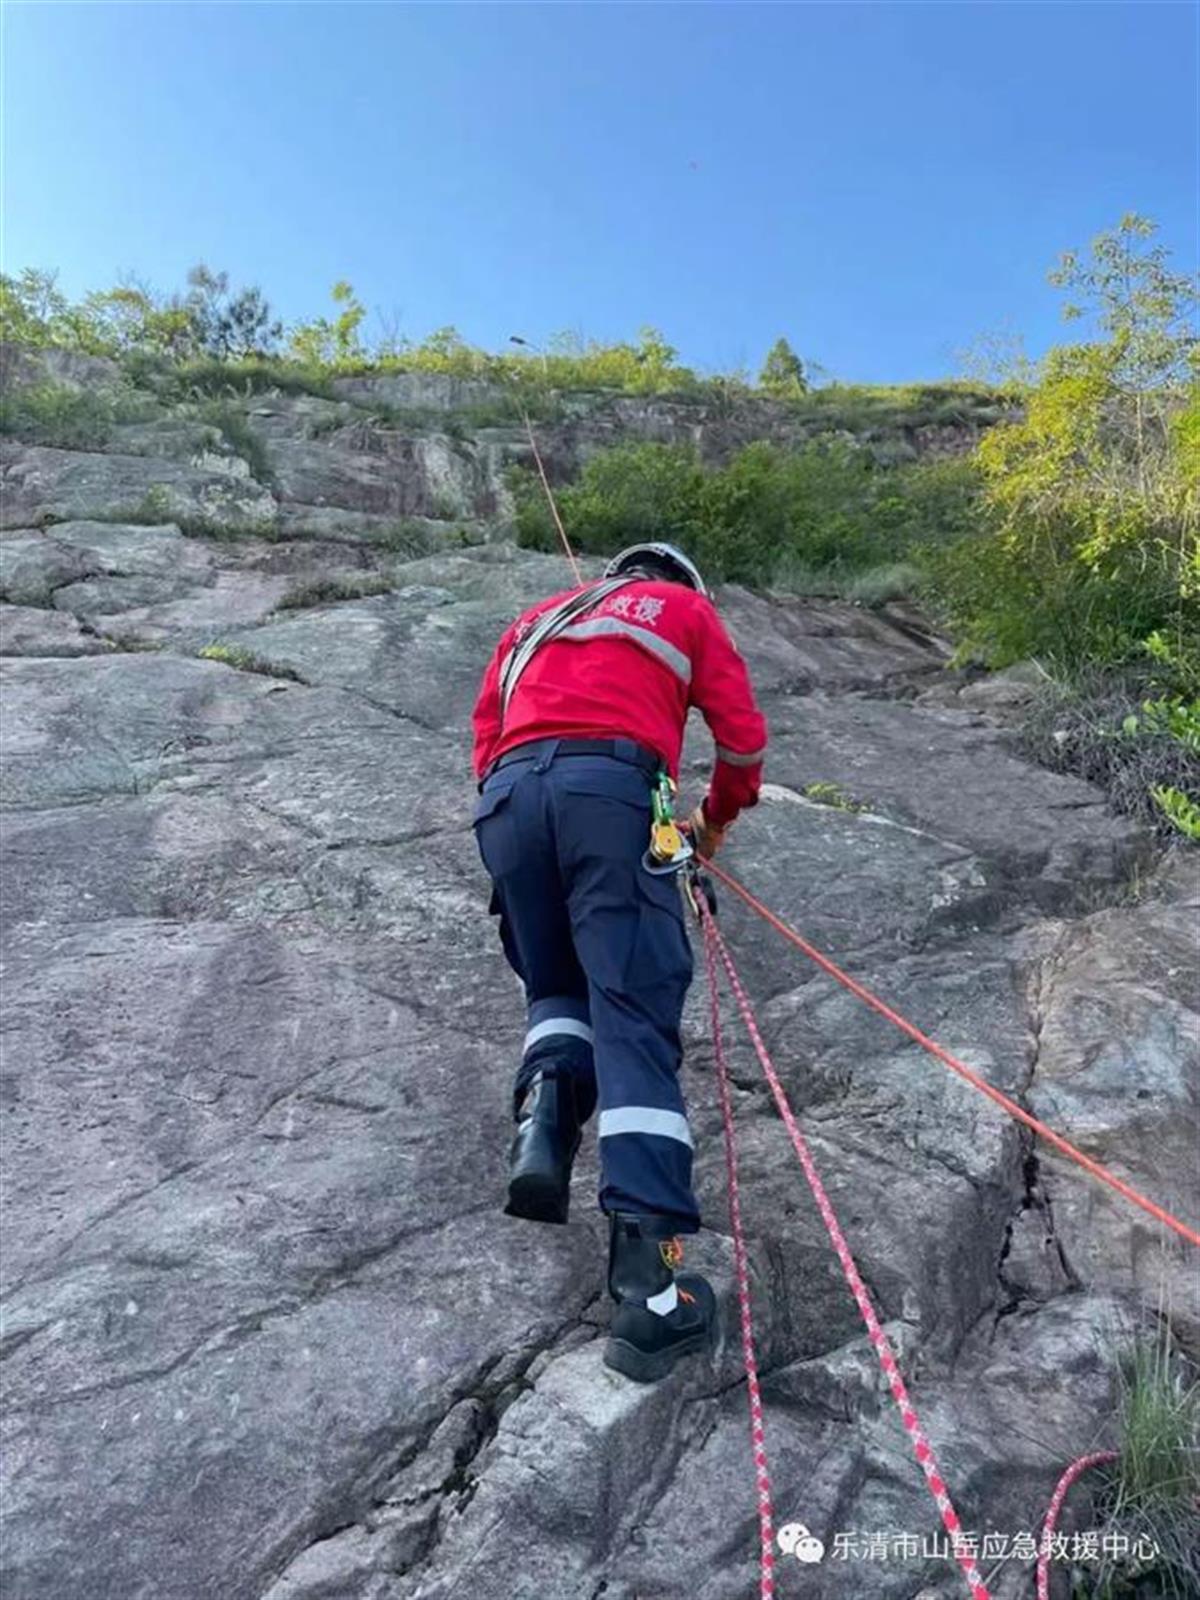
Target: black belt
(620, 749)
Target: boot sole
(536, 1198)
(646, 1366)
(649, 1367)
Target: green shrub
(1006, 604)
(211, 339)
(226, 324)
(33, 309)
(66, 418)
(235, 430)
(131, 319)
(827, 509)
(637, 491)
(1173, 718)
(445, 507)
(1180, 810)
(335, 342)
(570, 363)
(813, 505)
(1096, 487)
(154, 507)
(1177, 721)
(228, 338)
(889, 410)
(50, 415)
(1118, 731)
(233, 379)
(782, 372)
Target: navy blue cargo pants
(602, 950)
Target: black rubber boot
(547, 1137)
(645, 1344)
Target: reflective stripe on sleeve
(735, 758)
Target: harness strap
(548, 626)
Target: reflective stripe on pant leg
(559, 1039)
(648, 1172)
(645, 1119)
(557, 1015)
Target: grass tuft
(243, 660)
(401, 538)
(322, 591)
(1152, 1494)
(833, 795)
(898, 581)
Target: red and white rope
(1076, 1470)
(922, 1449)
(742, 1274)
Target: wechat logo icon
(794, 1539)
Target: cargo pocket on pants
(662, 952)
(495, 833)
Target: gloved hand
(706, 836)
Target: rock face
(370, 455)
(267, 1335)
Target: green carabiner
(668, 847)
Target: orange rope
(562, 532)
(955, 1065)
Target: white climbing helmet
(655, 554)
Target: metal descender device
(669, 849)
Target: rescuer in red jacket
(582, 707)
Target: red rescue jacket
(631, 668)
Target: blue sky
(881, 183)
